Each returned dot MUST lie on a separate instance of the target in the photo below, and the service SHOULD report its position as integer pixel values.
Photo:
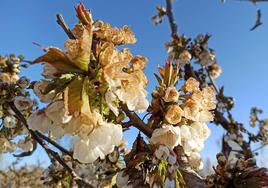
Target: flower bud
(23, 82)
(162, 152)
(83, 14)
(10, 122)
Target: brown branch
(126, 125)
(64, 26)
(52, 154)
(137, 122)
(259, 148)
(55, 144)
(172, 23)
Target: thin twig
(55, 144)
(64, 26)
(126, 125)
(258, 148)
(172, 23)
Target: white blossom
(23, 103)
(57, 113)
(110, 98)
(206, 58)
(167, 135)
(39, 121)
(184, 58)
(99, 143)
(162, 152)
(195, 160)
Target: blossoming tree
(94, 92)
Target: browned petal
(174, 114)
(138, 62)
(191, 85)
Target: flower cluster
(13, 90)
(85, 86)
(242, 173)
(183, 115)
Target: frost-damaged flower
(127, 85)
(117, 36)
(99, 143)
(174, 114)
(6, 145)
(171, 95)
(88, 82)
(26, 145)
(191, 85)
(167, 135)
(199, 103)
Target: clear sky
(241, 53)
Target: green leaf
(74, 96)
(59, 84)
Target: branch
(52, 154)
(55, 144)
(259, 148)
(137, 122)
(172, 23)
(64, 26)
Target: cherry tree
(95, 90)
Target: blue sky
(241, 53)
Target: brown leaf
(58, 59)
